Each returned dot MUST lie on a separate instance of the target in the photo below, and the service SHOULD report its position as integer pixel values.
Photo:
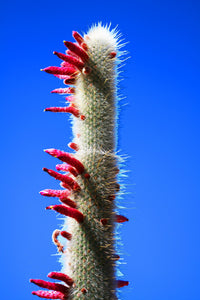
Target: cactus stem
(89, 66)
(67, 211)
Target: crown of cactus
(89, 182)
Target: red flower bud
(68, 211)
(68, 158)
(70, 59)
(122, 283)
(77, 50)
(77, 37)
(64, 178)
(70, 109)
(61, 276)
(66, 235)
(73, 146)
(50, 285)
(63, 91)
(70, 70)
(120, 219)
(49, 295)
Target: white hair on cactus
(101, 35)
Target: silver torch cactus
(88, 176)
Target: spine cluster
(89, 175)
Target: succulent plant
(89, 183)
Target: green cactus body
(89, 258)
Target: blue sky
(158, 131)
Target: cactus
(89, 182)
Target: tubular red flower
(62, 76)
(77, 50)
(68, 158)
(70, 70)
(55, 240)
(71, 80)
(49, 295)
(62, 91)
(111, 197)
(66, 235)
(66, 109)
(87, 176)
(55, 193)
(116, 257)
(122, 283)
(70, 59)
(84, 46)
(120, 219)
(68, 201)
(104, 221)
(73, 146)
(64, 178)
(77, 37)
(65, 186)
(70, 98)
(67, 168)
(67, 211)
(50, 285)
(83, 290)
(112, 54)
(61, 276)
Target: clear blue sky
(159, 132)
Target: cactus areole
(89, 183)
